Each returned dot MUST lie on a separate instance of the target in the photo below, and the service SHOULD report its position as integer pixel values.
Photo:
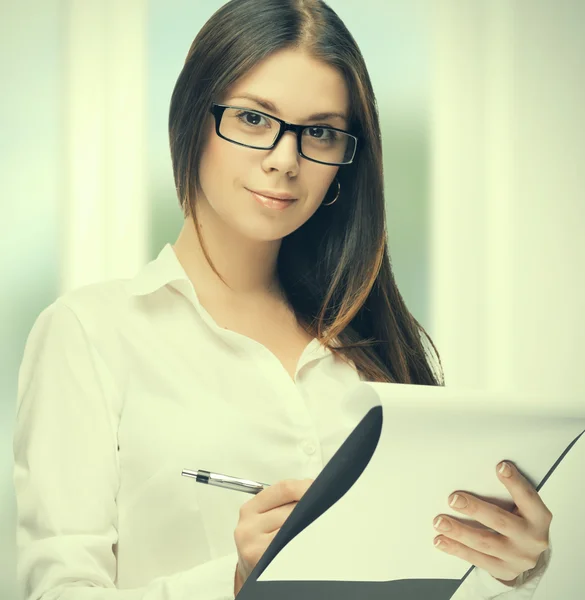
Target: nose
(284, 156)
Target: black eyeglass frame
(217, 111)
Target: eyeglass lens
(259, 131)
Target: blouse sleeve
(66, 477)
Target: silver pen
(226, 481)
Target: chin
(267, 232)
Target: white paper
(434, 441)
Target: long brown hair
(335, 269)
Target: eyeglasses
(259, 130)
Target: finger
(283, 492)
(528, 502)
(490, 515)
(272, 520)
(495, 566)
(507, 571)
(476, 538)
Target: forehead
(297, 84)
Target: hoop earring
(334, 199)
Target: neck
(247, 266)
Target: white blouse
(122, 385)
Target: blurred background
(481, 103)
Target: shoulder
(95, 306)
(103, 300)
(77, 337)
(90, 315)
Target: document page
(434, 441)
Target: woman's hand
(260, 520)
(518, 539)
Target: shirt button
(309, 448)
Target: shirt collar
(164, 270)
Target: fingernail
(458, 501)
(438, 542)
(505, 469)
(442, 524)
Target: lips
(273, 203)
(273, 195)
(264, 197)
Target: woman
(231, 350)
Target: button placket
(309, 442)
(311, 453)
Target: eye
(251, 119)
(321, 133)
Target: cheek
(319, 182)
(229, 163)
(218, 167)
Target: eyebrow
(270, 106)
